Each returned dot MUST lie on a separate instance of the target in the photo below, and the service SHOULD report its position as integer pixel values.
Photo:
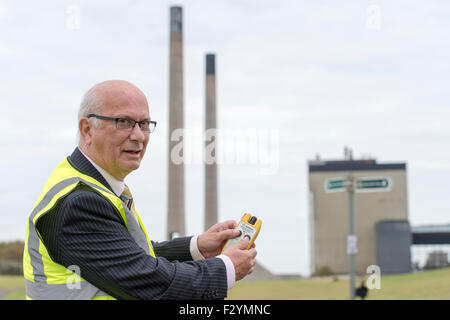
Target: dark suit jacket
(86, 231)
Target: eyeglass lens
(126, 124)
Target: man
(85, 239)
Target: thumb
(243, 243)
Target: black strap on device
(253, 220)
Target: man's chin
(130, 165)
(134, 166)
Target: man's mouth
(136, 152)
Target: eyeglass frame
(125, 118)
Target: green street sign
(367, 184)
(335, 184)
(373, 184)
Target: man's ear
(85, 128)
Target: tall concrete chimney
(211, 212)
(175, 214)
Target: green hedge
(11, 267)
(11, 254)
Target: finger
(252, 252)
(229, 234)
(224, 225)
(230, 224)
(243, 243)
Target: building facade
(380, 194)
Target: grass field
(422, 285)
(12, 288)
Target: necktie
(127, 199)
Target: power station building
(382, 234)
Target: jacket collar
(79, 161)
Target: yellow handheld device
(249, 226)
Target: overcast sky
(309, 76)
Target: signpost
(352, 185)
(335, 184)
(351, 238)
(373, 184)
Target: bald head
(104, 93)
(116, 150)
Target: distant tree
(12, 251)
(11, 254)
(323, 271)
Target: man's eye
(122, 120)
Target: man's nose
(137, 134)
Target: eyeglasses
(128, 123)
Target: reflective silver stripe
(101, 293)
(57, 188)
(136, 232)
(33, 239)
(44, 291)
(51, 193)
(35, 255)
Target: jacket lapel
(85, 166)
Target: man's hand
(212, 241)
(243, 260)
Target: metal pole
(351, 235)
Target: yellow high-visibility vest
(46, 279)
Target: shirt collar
(116, 185)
